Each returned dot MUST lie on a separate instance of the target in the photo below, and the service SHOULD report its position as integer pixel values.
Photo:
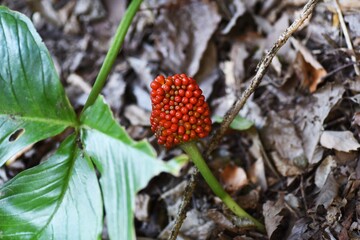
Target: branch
(238, 104)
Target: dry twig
(238, 104)
(347, 36)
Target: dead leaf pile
(293, 163)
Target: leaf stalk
(113, 52)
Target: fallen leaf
(142, 207)
(257, 173)
(349, 5)
(323, 171)
(328, 192)
(311, 113)
(220, 220)
(280, 136)
(353, 22)
(300, 227)
(208, 72)
(140, 66)
(114, 90)
(307, 67)
(345, 157)
(137, 115)
(292, 201)
(239, 11)
(250, 200)
(233, 177)
(271, 212)
(182, 34)
(238, 55)
(284, 167)
(343, 141)
(195, 226)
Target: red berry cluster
(179, 111)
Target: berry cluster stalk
(192, 150)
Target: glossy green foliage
(33, 105)
(59, 199)
(118, 158)
(62, 198)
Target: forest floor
(291, 158)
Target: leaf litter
(300, 171)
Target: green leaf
(239, 123)
(59, 199)
(125, 166)
(33, 104)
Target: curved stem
(192, 150)
(113, 52)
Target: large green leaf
(125, 166)
(59, 199)
(33, 104)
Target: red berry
(193, 100)
(174, 127)
(191, 87)
(184, 110)
(180, 113)
(188, 94)
(181, 130)
(155, 85)
(181, 92)
(197, 93)
(200, 109)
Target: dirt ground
(293, 163)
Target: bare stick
(347, 36)
(234, 110)
(185, 203)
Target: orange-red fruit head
(179, 111)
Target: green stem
(192, 150)
(113, 52)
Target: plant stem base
(192, 150)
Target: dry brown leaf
(240, 10)
(284, 166)
(238, 55)
(233, 177)
(182, 34)
(142, 207)
(250, 200)
(271, 212)
(343, 157)
(220, 220)
(208, 72)
(307, 67)
(328, 192)
(349, 5)
(137, 116)
(257, 173)
(114, 91)
(323, 171)
(280, 135)
(310, 115)
(343, 141)
(353, 20)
